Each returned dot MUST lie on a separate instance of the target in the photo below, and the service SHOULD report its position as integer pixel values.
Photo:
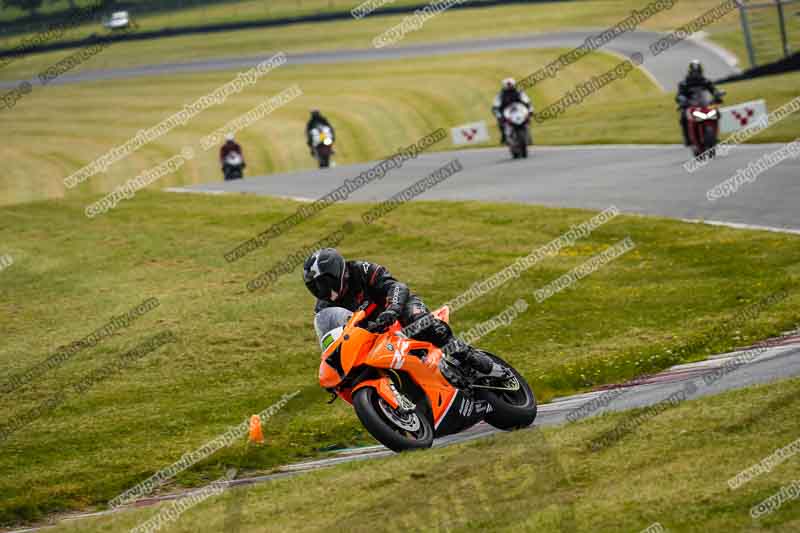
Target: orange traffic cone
(256, 435)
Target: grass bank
(672, 471)
(238, 352)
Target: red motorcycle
(702, 117)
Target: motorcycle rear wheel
(513, 409)
(398, 432)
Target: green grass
(238, 352)
(502, 21)
(375, 107)
(673, 471)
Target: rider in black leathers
(508, 95)
(348, 284)
(316, 120)
(694, 80)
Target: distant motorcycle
(516, 122)
(322, 145)
(233, 166)
(702, 116)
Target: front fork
(387, 390)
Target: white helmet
(509, 83)
(229, 137)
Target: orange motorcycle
(401, 397)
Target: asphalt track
(648, 180)
(666, 69)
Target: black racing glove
(384, 320)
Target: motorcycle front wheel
(397, 431)
(710, 140)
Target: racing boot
(465, 366)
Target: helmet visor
(324, 287)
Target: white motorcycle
(516, 122)
(322, 145)
(233, 166)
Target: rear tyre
(398, 432)
(512, 409)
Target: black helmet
(315, 113)
(695, 68)
(324, 274)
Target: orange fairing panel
(328, 377)
(353, 344)
(441, 402)
(382, 386)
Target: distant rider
(316, 120)
(230, 146)
(337, 283)
(694, 80)
(508, 95)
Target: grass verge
(673, 471)
(238, 352)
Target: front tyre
(710, 138)
(397, 431)
(513, 408)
